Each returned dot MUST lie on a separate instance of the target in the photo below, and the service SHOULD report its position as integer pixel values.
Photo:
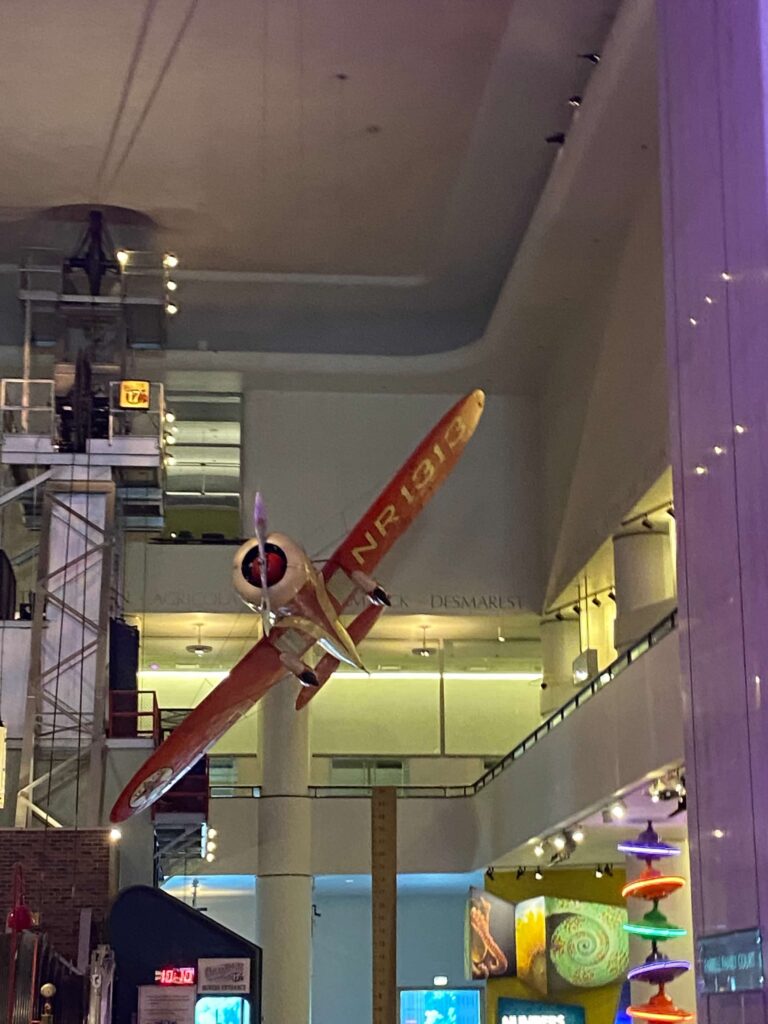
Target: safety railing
(604, 678)
(134, 714)
(28, 407)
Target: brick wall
(65, 871)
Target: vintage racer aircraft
(301, 608)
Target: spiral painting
(567, 944)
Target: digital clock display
(175, 976)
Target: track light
(500, 636)
(171, 286)
(576, 609)
(574, 101)
(557, 138)
(538, 850)
(490, 873)
(596, 601)
(559, 616)
(612, 594)
(122, 257)
(617, 810)
(170, 262)
(519, 873)
(115, 835)
(578, 835)
(559, 842)
(608, 870)
(598, 872)
(171, 308)
(671, 512)
(646, 522)
(593, 58)
(170, 417)
(538, 874)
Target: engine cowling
(288, 569)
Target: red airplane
(301, 608)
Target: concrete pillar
(284, 890)
(560, 644)
(713, 71)
(645, 583)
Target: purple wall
(716, 223)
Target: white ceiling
(374, 214)
(601, 837)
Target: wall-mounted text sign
(523, 1011)
(227, 976)
(731, 962)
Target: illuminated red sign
(175, 976)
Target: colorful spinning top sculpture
(658, 969)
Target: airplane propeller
(260, 530)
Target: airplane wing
(248, 681)
(397, 507)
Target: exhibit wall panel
(570, 884)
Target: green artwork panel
(568, 944)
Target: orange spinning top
(652, 885)
(660, 1010)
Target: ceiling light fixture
(538, 850)
(559, 842)
(171, 308)
(122, 257)
(423, 651)
(170, 262)
(500, 636)
(171, 286)
(199, 648)
(618, 810)
(578, 835)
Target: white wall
(320, 459)
(430, 940)
(15, 647)
(604, 407)
(604, 748)
(383, 716)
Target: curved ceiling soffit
(602, 137)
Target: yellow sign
(134, 394)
